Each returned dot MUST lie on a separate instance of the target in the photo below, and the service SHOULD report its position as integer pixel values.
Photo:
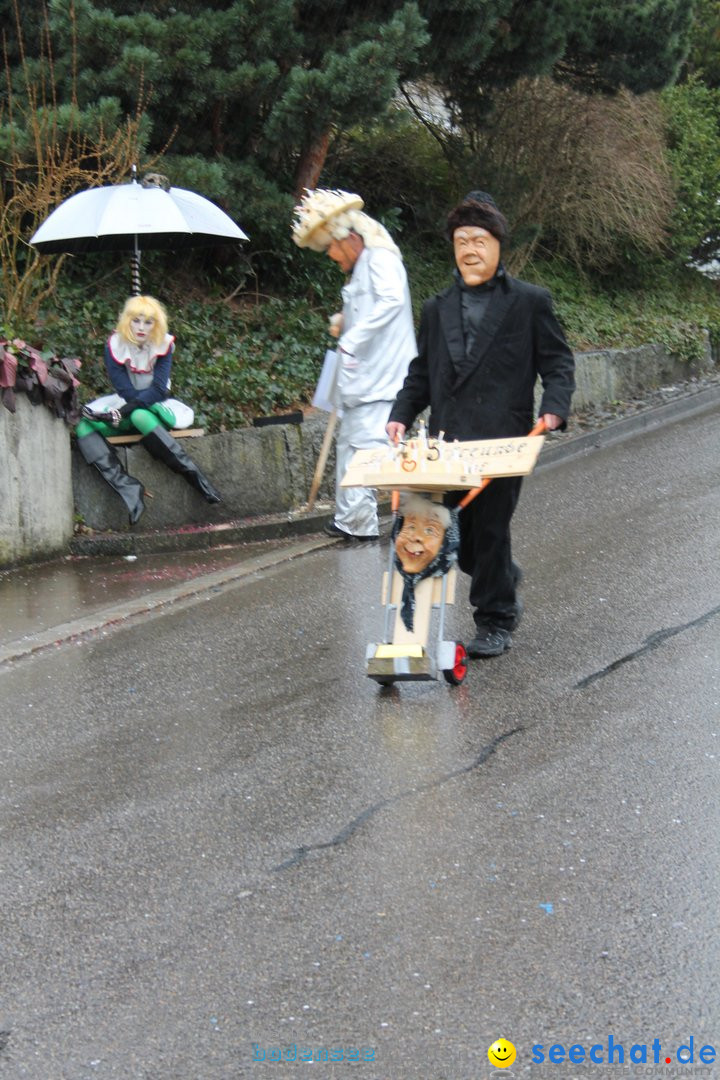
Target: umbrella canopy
(128, 217)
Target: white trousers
(361, 428)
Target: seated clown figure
(426, 536)
(138, 361)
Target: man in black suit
(482, 344)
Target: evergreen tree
(704, 56)
(241, 81)
(265, 85)
(693, 139)
(480, 46)
(241, 98)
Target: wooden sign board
(433, 465)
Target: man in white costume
(376, 337)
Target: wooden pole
(322, 459)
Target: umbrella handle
(539, 429)
(135, 270)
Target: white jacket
(378, 338)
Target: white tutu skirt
(183, 414)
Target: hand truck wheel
(456, 674)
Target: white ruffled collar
(137, 357)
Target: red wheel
(456, 674)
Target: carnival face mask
(346, 251)
(426, 537)
(419, 540)
(477, 254)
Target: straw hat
(313, 213)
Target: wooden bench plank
(177, 433)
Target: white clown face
(141, 327)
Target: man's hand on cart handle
(540, 428)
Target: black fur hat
(481, 197)
(485, 215)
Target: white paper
(325, 396)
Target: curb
(278, 527)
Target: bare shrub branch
(48, 155)
(583, 177)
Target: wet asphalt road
(219, 837)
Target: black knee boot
(102, 455)
(161, 445)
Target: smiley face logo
(501, 1054)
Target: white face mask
(141, 327)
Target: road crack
(301, 853)
(652, 642)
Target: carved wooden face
(477, 254)
(346, 252)
(419, 541)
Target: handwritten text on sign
(434, 465)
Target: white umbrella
(128, 217)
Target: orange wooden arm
(395, 495)
(539, 429)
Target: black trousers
(486, 554)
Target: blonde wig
(146, 307)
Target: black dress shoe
(334, 530)
(489, 641)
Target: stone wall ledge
(46, 485)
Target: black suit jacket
(488, 393)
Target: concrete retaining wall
(617, 374)
(36, 495)
(258, 471)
